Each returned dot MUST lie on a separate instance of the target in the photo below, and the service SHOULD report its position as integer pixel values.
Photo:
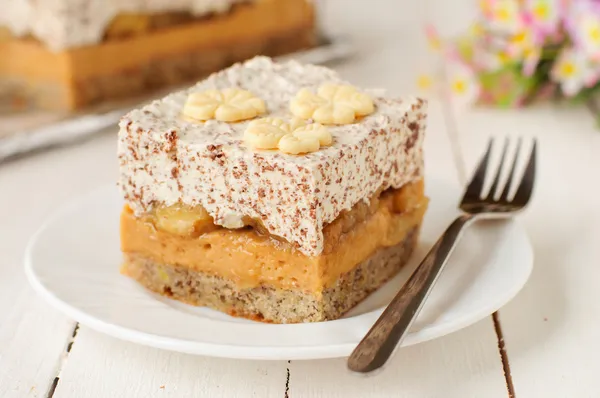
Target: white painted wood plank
(32, 340)
(100, 366)
(33, 336)
(551, 328)
(465, 364)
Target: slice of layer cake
(276, 192)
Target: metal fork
(387, 333)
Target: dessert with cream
(276, 192)
(71, 53)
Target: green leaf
(584, 95)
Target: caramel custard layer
(249, 258)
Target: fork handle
(383, 337)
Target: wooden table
(542, 344)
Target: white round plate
(73, 262)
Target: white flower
(491, 60)
(573, 70)
(425, 83)
(590, 34)
(429, 72)
(521, 44)
(463, 86)
(503, 16)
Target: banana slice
(184, 220)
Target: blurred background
(70, 70)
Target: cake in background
(64, 55)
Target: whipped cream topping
(165, 159)
(62, 24)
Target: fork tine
(511, 175)
(492, 192)
(476, 185)
(526, 186)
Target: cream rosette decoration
(332, 104)
(293, 137)
(228, 105)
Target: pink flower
(583, 24)
(532, 58)
(447, 49)
(543, 17)
(433, 37)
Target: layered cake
(68, 54)
(272, 191)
